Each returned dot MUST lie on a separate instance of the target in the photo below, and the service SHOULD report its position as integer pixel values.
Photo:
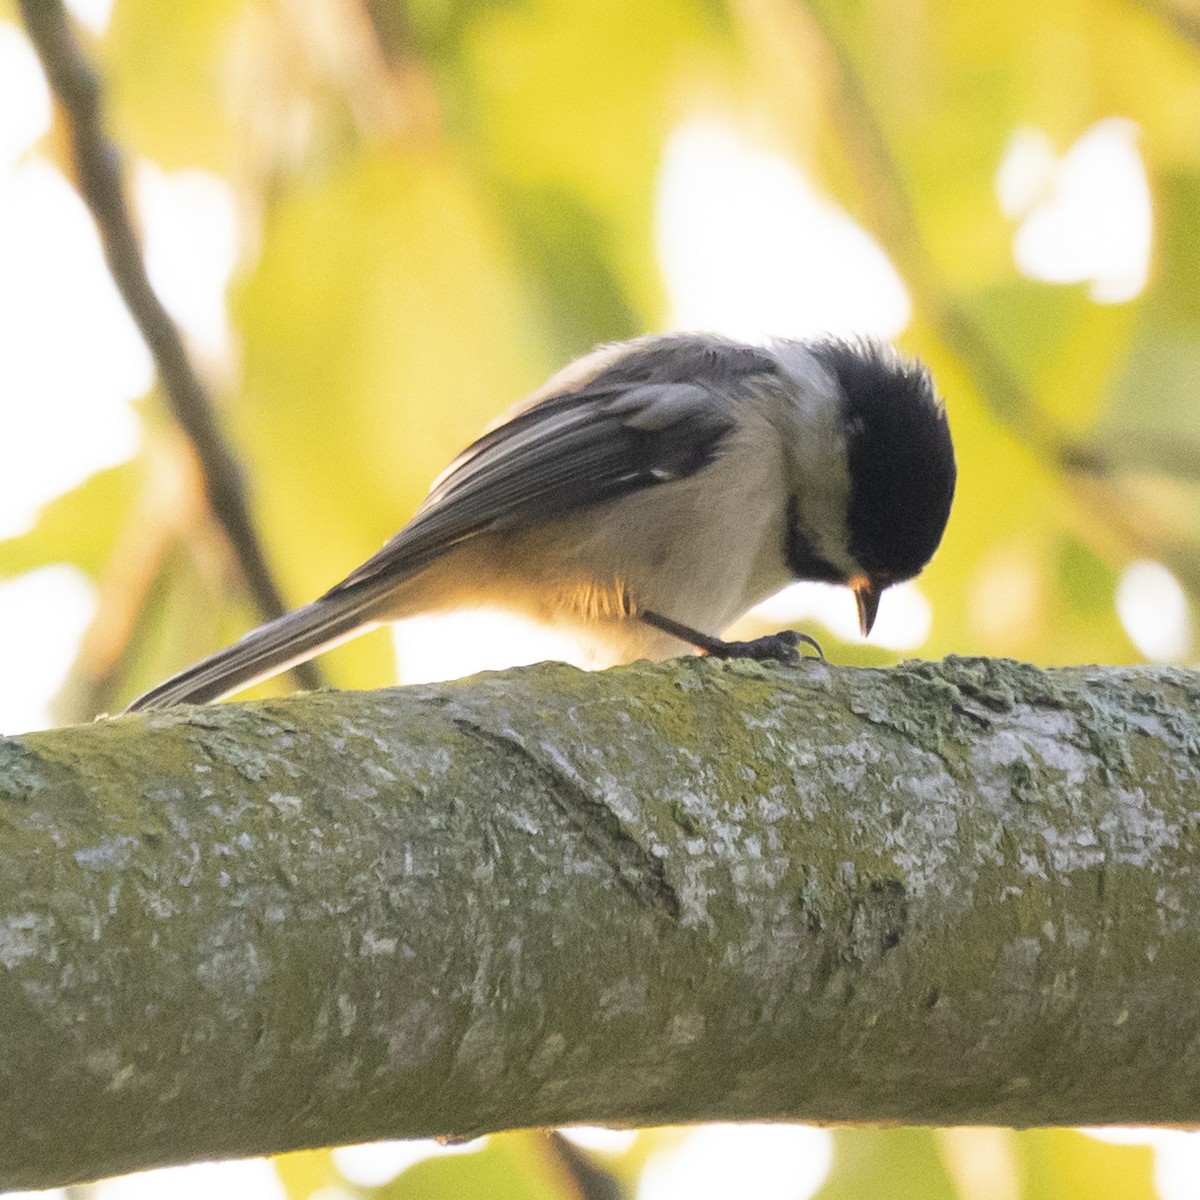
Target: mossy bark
(955, 892)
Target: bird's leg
(778, 647)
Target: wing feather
(643, 420)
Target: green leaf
(901, 1164)
(1063, 1164)
(375, 349)
(572, 98)
(512, 1166)
(167, 66)
(1157, 388)
(569, 254)
(307, 1172)
(79, 527)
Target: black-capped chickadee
(648, 495)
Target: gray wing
(635, 416)
(631, 426)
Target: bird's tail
(267, 650)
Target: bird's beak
(867, 595)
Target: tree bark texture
(945, 893)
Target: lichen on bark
(948, 892)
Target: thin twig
(589, 1181)
(99, 175)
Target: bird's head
(897, 482)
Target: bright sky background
(748, 247)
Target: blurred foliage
(443, 200)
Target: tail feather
(267, 650)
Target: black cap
(899, 456)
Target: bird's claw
(782, 647)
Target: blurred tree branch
(1184, 21)
(958, 892)
(892, 215)
(99, 173)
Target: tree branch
(964, 892)
(99, 176)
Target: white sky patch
(1085, 217)
(43, 617)
(599, 1139)
(70, 358)
(249, 1179)
(189, 222)
(767, 1162)
(95, 14)
(904, 621)
(24, 97)
(749, 248)
(376, 1163)
(1176, 1157)
(1177, 1165)
(440, 646)
(1154, 611)
(1126, 1135)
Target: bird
(648, 495)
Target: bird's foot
(783, 647)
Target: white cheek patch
(816, 437)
